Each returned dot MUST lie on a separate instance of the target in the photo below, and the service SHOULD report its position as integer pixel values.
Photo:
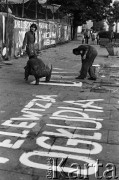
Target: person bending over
(88, 54)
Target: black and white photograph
(59, 89)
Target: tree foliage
(116, 11)
(113, 14)
(83, 10)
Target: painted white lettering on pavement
(87, 105)
(3, 160)
(65, 133)
(23, 135)
(74, 84)
(73, 127)
(26, 160)
(73, 142)
(7, 143)
(69, 112)
(21, 125)
(74, 118)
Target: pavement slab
(113, 137)
(98, 136)
(4, 175)
(109, 152)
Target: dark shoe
(94, 79)
(49, 75)
(26, 79)
(79, 77)
(25, 67)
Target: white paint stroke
(84, 100)
(46, 106)
(26, 159)
(65, 133)
(21, 125)
(71, 127)
(21, 118)
(47, 97)
(79, 109)
(60, 112)
(23, 135)
(73, 84)
(30, 114)
(93, 110)
(73, 142)
(98, 124)
(74, 118)
(87, 105)
(3, 160)
(7, 143)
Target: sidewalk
(79, 123)
(102, 105)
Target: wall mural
(49, 33)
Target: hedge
(106, 34)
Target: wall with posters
(20, 28)
(49, 33)
(1, 30)
(13, 29)
(6, 31)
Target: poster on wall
(47, 33)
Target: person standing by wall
(29, 46)
(29, 40)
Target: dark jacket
(29, 38)
(88, 50)
(28, 42)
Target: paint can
(97, 69)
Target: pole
(23, 9)
(36, 15)
(58, 15)
(7, 29)
(46, 16)
(53, 12)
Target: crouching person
(36, 67)
(88, 54)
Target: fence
(49, 33)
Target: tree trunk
(75, 26)
(75, 32)
(116, 26)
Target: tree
(83, 10)
(113, 15)
(116, 12)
